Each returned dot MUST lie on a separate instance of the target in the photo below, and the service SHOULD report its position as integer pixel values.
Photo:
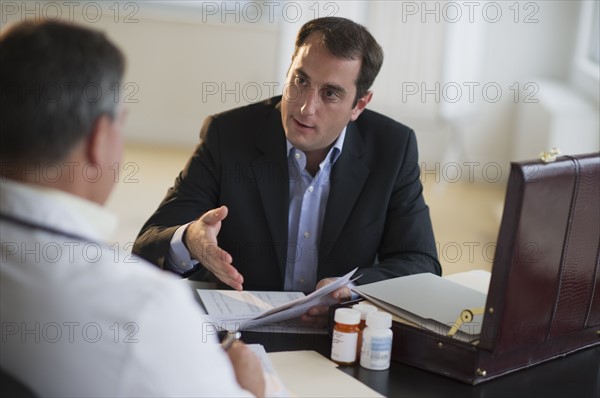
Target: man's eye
(300, 81)
(331, 95)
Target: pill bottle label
(376, 352)
(343, 347)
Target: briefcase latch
(549, 157)
(465, 316)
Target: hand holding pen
(247, 367)
(230, 338)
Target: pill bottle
(345, 336)
(364, 309)
(376, 350)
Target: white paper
(232, 302)
(309, 374)
(231, 310)
(476, 279)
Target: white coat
(85, 319)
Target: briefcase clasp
(549, 157)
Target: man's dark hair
(346, 39)
(56, 80)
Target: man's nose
(311, 101)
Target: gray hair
(56, 80)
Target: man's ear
(97, 142)
(361, 105)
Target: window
(587, 56)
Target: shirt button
(311, 188)
(298, 156)
(306, 235)
(301, 280)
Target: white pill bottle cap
(347, 316)
(379, 320)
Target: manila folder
(429, 301)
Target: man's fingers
(235, 285)
(234, 281)
(214, 216)
(213, 254)
(219, 263)
(341, 293)
(318, 310)
(317, 321)
(225, 257)
(231, 273)
(324, 282)
(226, 273)
(207, 251)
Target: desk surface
(576, 375)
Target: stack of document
(306, 374)
(265, 311)
(309, 374)
(430, 302)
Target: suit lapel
(348, 177)
(271, 175)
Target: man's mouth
(302, 124)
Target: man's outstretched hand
(201, 240)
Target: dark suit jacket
(375, 219)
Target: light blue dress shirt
(179, 259)
(308, 200)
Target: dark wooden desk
(576, 375)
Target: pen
(229, 339)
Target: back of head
(346, 39)
(56, 79)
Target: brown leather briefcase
(544, 294)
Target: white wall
(181, 59)
(493, 45)
(585, 77)
(521, 53)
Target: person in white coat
(78, 318)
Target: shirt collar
(101, 218)
(103, 221)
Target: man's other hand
(318, 316)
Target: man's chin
(298, 141)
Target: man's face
(318, 97)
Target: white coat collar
(57, 209)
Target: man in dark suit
(291, 192)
